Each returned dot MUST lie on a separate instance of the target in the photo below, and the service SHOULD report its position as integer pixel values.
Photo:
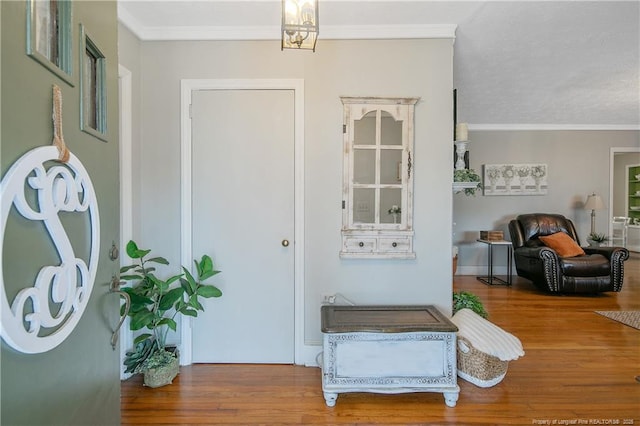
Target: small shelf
(461, 186)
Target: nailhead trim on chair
(617, 269)
(551, 273)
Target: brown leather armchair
(599, 269)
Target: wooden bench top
(384, 319)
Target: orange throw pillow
(563, 244)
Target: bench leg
(450, 398)
(330, 398)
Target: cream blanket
(486, 336)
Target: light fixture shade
(594, 202)
(299, 24)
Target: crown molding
(354, 32)
(129, 21)
(327, 32)
(208, 33)
(552, 127)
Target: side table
(491, 279)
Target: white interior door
(243, 215)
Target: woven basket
(161, 376)
(477, 367)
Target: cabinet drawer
(400, 244)
(360, 245)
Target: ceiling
(518, 64)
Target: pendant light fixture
(299, 24)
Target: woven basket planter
(161, 376)
(477, 367)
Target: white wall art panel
(515, 179)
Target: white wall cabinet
(377, 203)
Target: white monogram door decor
(42, 316)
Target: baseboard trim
(552, 127)
(310, 352)
(481, 270)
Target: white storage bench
(388, 349)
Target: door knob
(285, 243)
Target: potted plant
(155, 303)
(464, 299)
(595, 239)
(468, 180)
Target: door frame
(612, 153)
(126, 193)
(187, 87)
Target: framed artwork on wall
(515, 179)
(93, 87)
(49, 36)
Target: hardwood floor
(579, 368)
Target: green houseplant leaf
(468, 300)
(209, 291)
(134, 252)
(193, 285)
(190, 312)
(172, 296)
(597, 237)
(142, 319)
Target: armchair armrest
(616, 256)
(549, 269)
(534, 252)
(609, 252)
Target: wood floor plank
(579, 368)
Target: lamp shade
(594, 202)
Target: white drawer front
(361, 245)
(400, 244)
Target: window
(49, 35)
(93, 113)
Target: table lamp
(594, 202)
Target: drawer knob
(394, 244)
(361, 244)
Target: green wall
(78, 381)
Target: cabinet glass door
(377, 168)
